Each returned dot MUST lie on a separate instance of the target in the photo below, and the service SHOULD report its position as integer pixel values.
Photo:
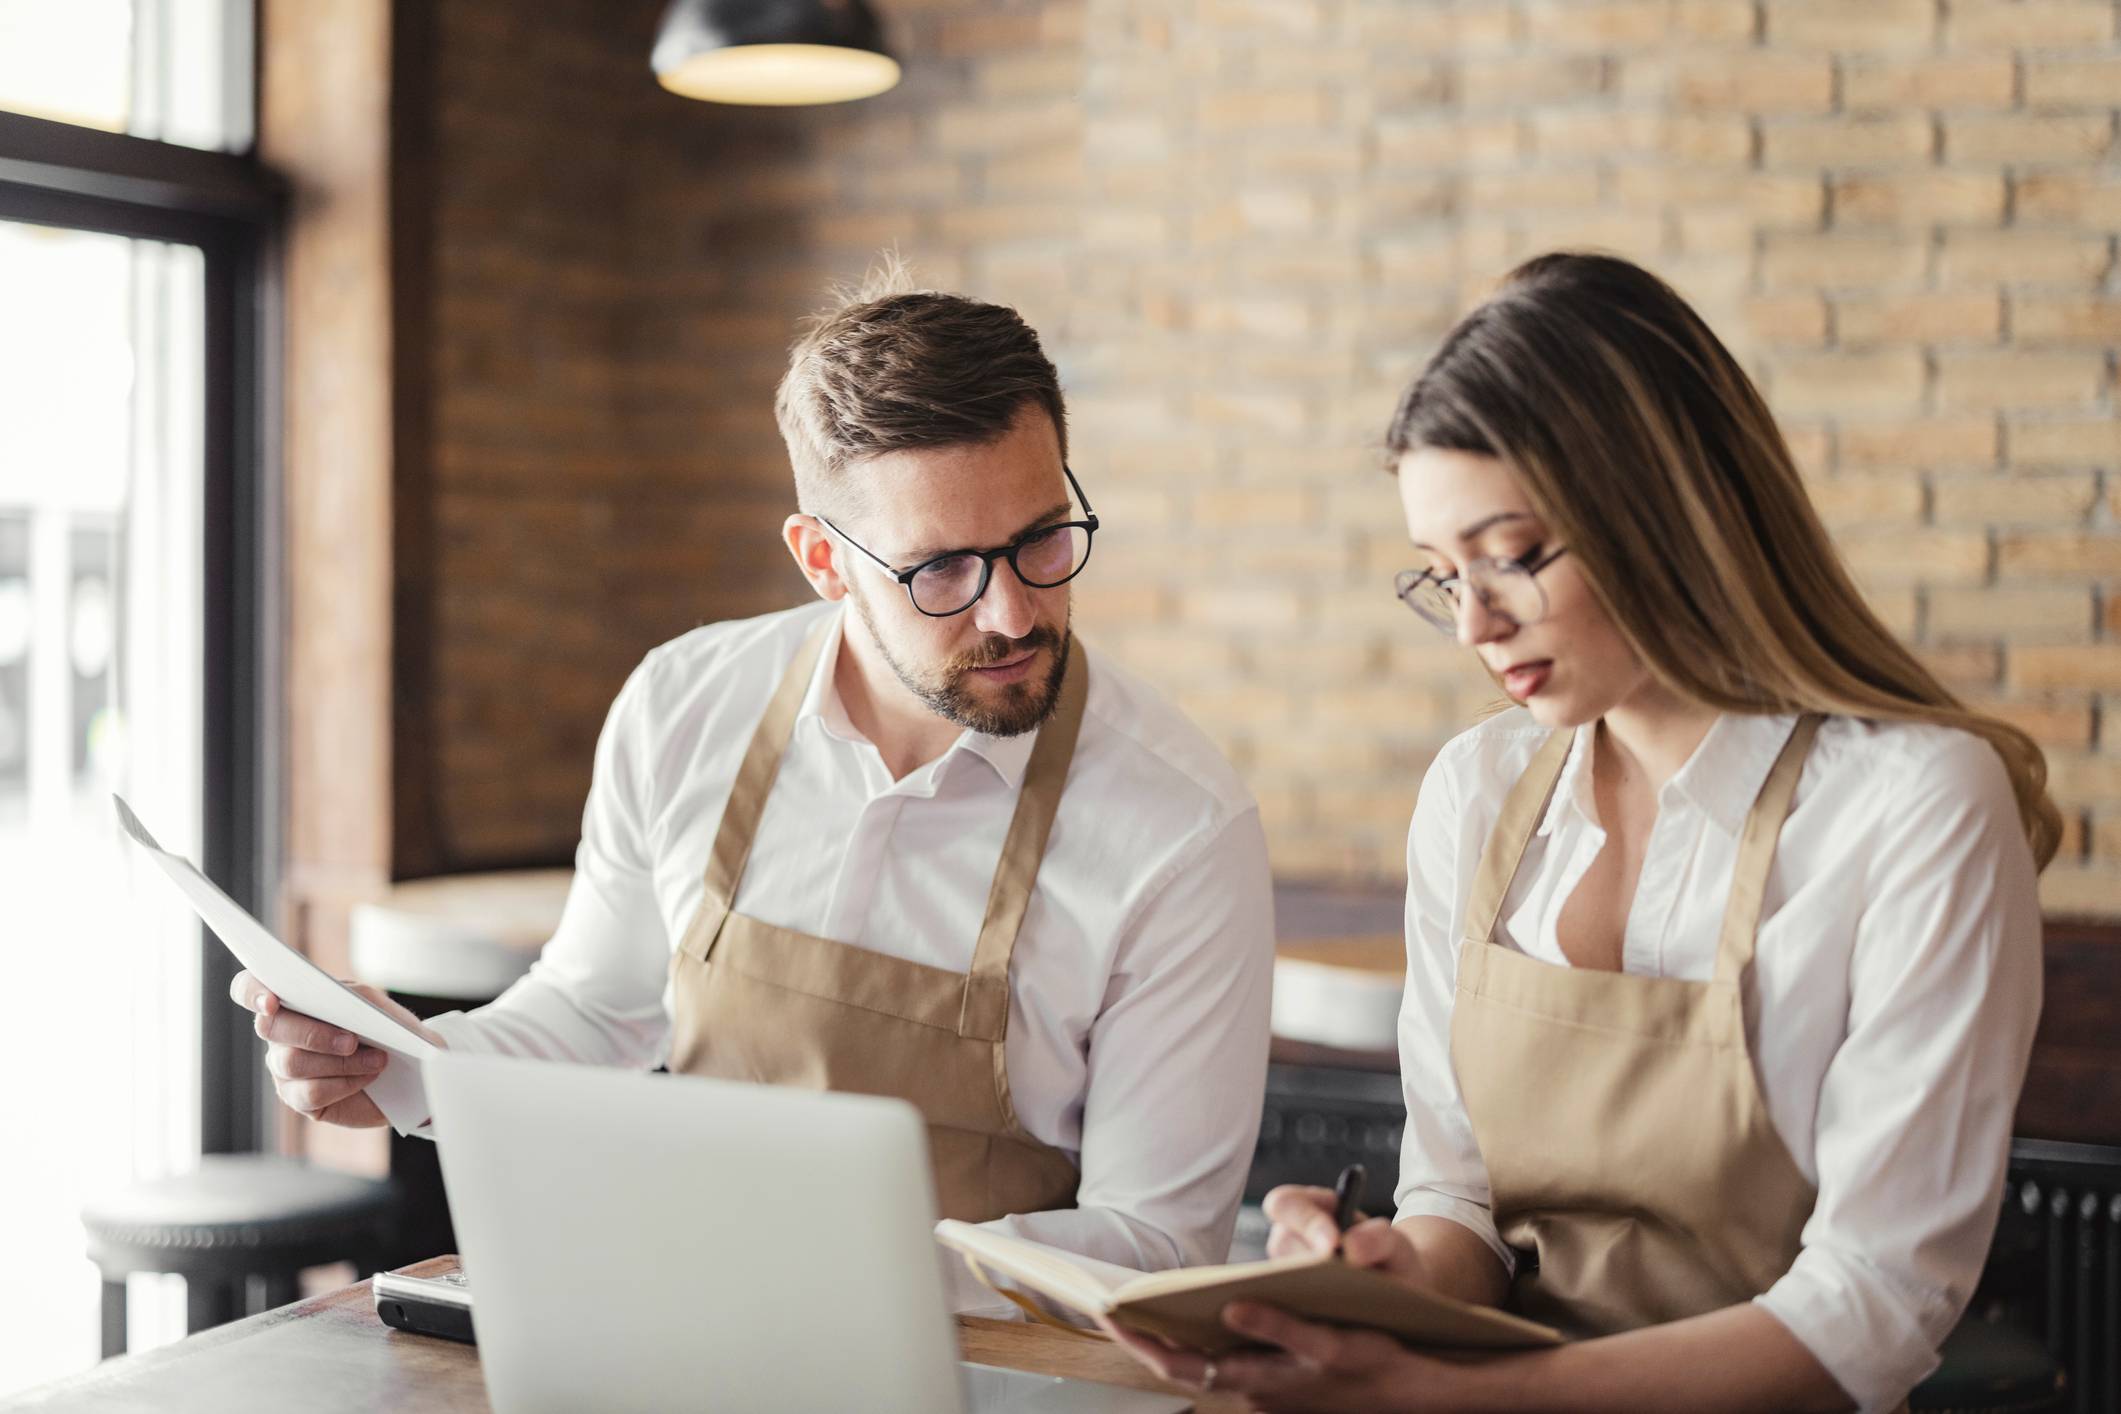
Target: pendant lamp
(777, 52)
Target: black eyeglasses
(953, 581)
(1506, 587)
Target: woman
(1725, 1100)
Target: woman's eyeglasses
(1509, 587)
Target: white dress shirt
(1889, 1009)
(1140, 982)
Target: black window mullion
(229, 208)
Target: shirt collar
(1007, 755)
(1721, 778)
(1724, 775)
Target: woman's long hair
(1645, 447)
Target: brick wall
(1241, 227)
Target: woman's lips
(1526, 679)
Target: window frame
(233, 210)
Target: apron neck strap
(748, 795)
(1522, 810)
(985, 1013)
(1756, 851)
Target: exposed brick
(1597, 24)
(1721, 21)
(1509, 80)
(1838, 25)
(1957, 81)
(2065, 442)
(1787, 319)
(1241, 226)
(2021, 615)
(2047, 320)
(1847, 382)
(1963, 666)
(2080, 891)
(2018, 379)
(1865, 141)
(2052, 724)
(1868, 500)
(1921, 198)
(2015, 500)
(2069, 198)
(2049, 554)
(2028, 24)
(1832, 262)
(1951, 442)
(974, 34)
(1282, 507)
(2096, 666)
(2073, 83)
(1756, 82)
(2028, 137)
(2022, 258)
(1934, 557)
(1919, 318)
(1248, 110)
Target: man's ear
(815, 555)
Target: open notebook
(1186, 1305)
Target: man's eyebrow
(1044, 518)
(1480, 527)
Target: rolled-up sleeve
(1440, 1170)
(1914, 1118)
(1177, 1067)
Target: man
(916, 840)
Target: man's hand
(317, 1069)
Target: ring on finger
(1207, 1376)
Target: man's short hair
(891, 368)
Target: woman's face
(1570, 666)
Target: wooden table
(330, 1354)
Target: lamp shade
(778, 52)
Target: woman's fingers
(1168, 1361)
(1315, 1345)
(1372, 1243)
(1306, 1216)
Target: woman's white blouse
(1889, 1009)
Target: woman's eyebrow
(1481, 527)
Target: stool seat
(460, 937)
(1990, 1369)
(235, 1222)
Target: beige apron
(761, 1003)
(1619, 1117)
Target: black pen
(1347, 1195)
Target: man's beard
(948, 690)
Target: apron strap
(1756, 851)
(985, 1012)
(748, 795)
(1522, 810)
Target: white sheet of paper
(299, 983)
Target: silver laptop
(648, 1242)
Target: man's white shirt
(1140, 983)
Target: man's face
(996, 667)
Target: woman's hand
(1316, 1367)
(1313, 1367)
(1304, 1223)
